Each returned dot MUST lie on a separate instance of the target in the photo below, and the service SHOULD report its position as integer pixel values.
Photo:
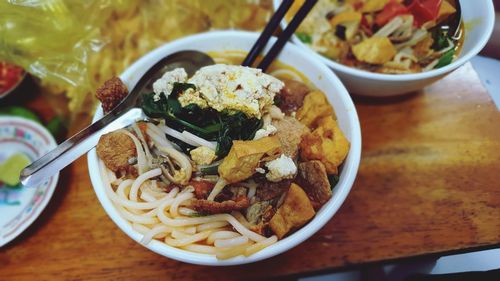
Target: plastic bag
(74, 46)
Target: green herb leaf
(446, 58)
(213, 170)
(180, 88)
(440, 37)
(333, 179)
(304, 37)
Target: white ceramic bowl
(318, 74)
(479, 18)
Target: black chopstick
(267, 32)
(286, 34)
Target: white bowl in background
(315, 71)
(479, 19)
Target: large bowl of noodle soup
(233, 44)
(478, 20)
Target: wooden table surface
(429, 183)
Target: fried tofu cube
(374, 50)
(315, 107)
(445, 10)
(296, 211)
(245, 156)
(327, 144)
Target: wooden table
(429, 183)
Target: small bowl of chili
(11, 77)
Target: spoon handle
(76, 146)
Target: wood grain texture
(428, 183)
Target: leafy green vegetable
(222, 127)
(440, 37)
(197, 215)
(333, 179)
(56, 125)
(213, 170)
(446, 58)
(304, 37)
(181, 87)
(21, 112)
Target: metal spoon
(124, 114)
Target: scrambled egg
(203, 155)
(233, 88)
(223, 87)
(166, 83)
(281, 168)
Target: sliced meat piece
(213, 207)
(294, 213)
(259, 214)
(202, 188)
(267, 190)
(115, 149)
(290, 132)
(292, 95)
(111, 93)
(256, 211)
(312, 177)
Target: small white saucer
(21, 205)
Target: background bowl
(479, 18)
(316, 72)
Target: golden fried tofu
(245, 156)
(327, 144)
(315, 106)
(296, 211)
(374, 50)
(445, 10)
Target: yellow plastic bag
(74, 46)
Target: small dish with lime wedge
(21, 141)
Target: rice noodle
(231, 242)
(140, 180)
(431, 65)
(211, 225)
(168, 216)
(389, 28)
(184, 163)
(158, 140)
(145, 146)
(153, 232)
(199, 141)
(178, 135)
(418, 36)
(285, 73)
(141, 156)
(225, 234)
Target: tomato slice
(424, 10)
(9, 76)
(390, 11)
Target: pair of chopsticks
(283, 37)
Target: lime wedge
(10, 170)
